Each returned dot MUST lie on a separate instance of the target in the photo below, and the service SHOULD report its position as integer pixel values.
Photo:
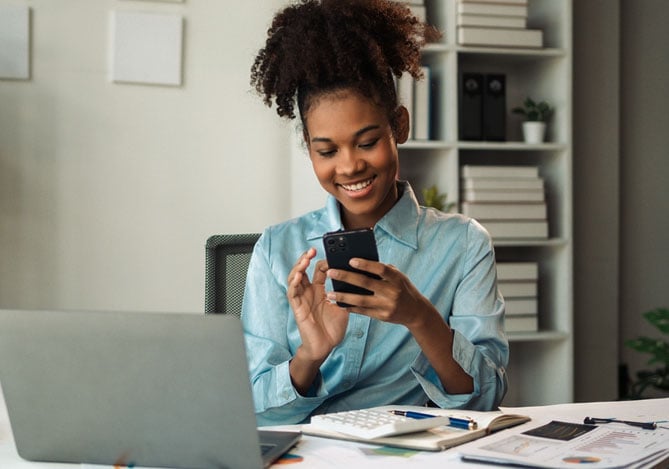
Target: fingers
(391, 290)
(297, 277)
(301, 264)
(320, 272)
(379, 272)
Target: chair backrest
(226, 264)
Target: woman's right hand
(321, 323)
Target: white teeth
(357, 187)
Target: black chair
(227, 260)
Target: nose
(350, 163)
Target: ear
(400, 124)
(305, 136)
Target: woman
(431, 332)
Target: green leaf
(534, 111)
(659, 318)
(658, 349)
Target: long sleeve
(479, 346)
(266, 316)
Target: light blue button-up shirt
(448, 257)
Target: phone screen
(341, 247)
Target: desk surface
(323, 453)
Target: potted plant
(536, 115)
(659, 352)
(433, 198)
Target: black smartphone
(340, 247)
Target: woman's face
(354, 154)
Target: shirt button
(359, 334)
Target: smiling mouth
(358, 186)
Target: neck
(353, 221)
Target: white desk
(324, 453)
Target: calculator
(374, 423)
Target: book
(502, 183)
(495, 21)
(501, 9)
(517, 271)
(471, 195)
(499, 37)
(517, 288)
(505, 211)
(520, 229)
(476, 171)
(494, 107)
(405, 85)
(527, 323)
(421, 106)
(520, 306)
(436, 439)
(470, 112)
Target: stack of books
(415, 96)
(517, 281)
(508, 201)
(498, 23)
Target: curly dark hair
(317, 46)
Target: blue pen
(466, 424)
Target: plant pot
(534, 131)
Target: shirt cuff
(285, 403)
(463, 353)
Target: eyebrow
(357, 134)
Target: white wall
(109, 191)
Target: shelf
(552, 242)
(462, 145)
(437, 48)
(427, 145)
(511, 146)
(521, 54)
(543, 73)
(541, 336)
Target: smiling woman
(431, 331)
(354, 155)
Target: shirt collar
(401, 221)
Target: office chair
(227, 260)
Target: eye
(370, 144)
(326, 153)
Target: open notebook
(142, 389)
(435, 439)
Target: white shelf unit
(541, 364)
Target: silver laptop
(142, 389)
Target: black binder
(471, 106)
(494, 108)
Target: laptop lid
(143, 389)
